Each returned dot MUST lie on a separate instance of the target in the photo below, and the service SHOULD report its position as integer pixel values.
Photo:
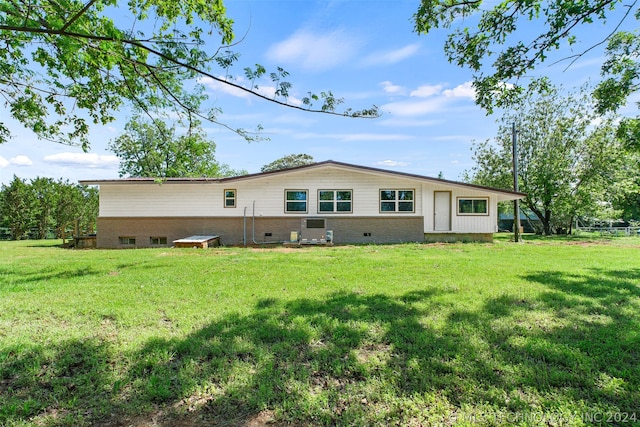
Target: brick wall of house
(267, 229)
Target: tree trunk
(546, 223)
(545, 219)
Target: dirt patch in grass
(159, 418)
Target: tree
(567, 167)
(494, 34)
(44, 203)
(88, 210)
(17, 207)
(290, 161)
(44, 192)
(66, 63)
(69, 203)
(152, 149)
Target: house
(325, 201)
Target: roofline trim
(258, 175)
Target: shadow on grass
(352, 359)
(12, 277)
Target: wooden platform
(197, 242)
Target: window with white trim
(397, 201)
(336, 201)
(296, 201)
(229, 198)
(473, 206)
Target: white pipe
(244, 227)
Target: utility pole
(516, 202)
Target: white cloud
(389, 87)
(267, 91)
(426, 91)
(314, 51)
(355, 136)
(408, 122)
(3, 162)
(391, 56)
(21, 161)
(87, 160)
(462, 138)
(413, 108)
(375, 137)
(391, 163)
(218, 86)
(464, 90)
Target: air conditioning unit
(313, 231)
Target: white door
(442, 211)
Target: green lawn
(547, 331)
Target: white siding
(268, 192)
(461, 223)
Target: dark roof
(296, 168)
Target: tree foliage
(153, 149)
(290, 161)
(35, 208)
(567, 166)
(18, 207)
(621, 78)
(65, 64)
(500, 53)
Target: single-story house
(326, 201)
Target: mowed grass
(544, 332)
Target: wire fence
(612, 231)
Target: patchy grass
(547, 331)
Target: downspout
(253, 223)
(244, 227)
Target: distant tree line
(42, 206)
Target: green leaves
(565, 162)
(500, 53)
(154, 149)
(44, 204)
(88, 67)
(290, 161)
(622, 69)
(66, 64)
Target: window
(124, 240)
(157, 241)
(473, 206)
(229, 198)
(295, 201)
(396, 201)
(334, 201)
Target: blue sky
(364, 51)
